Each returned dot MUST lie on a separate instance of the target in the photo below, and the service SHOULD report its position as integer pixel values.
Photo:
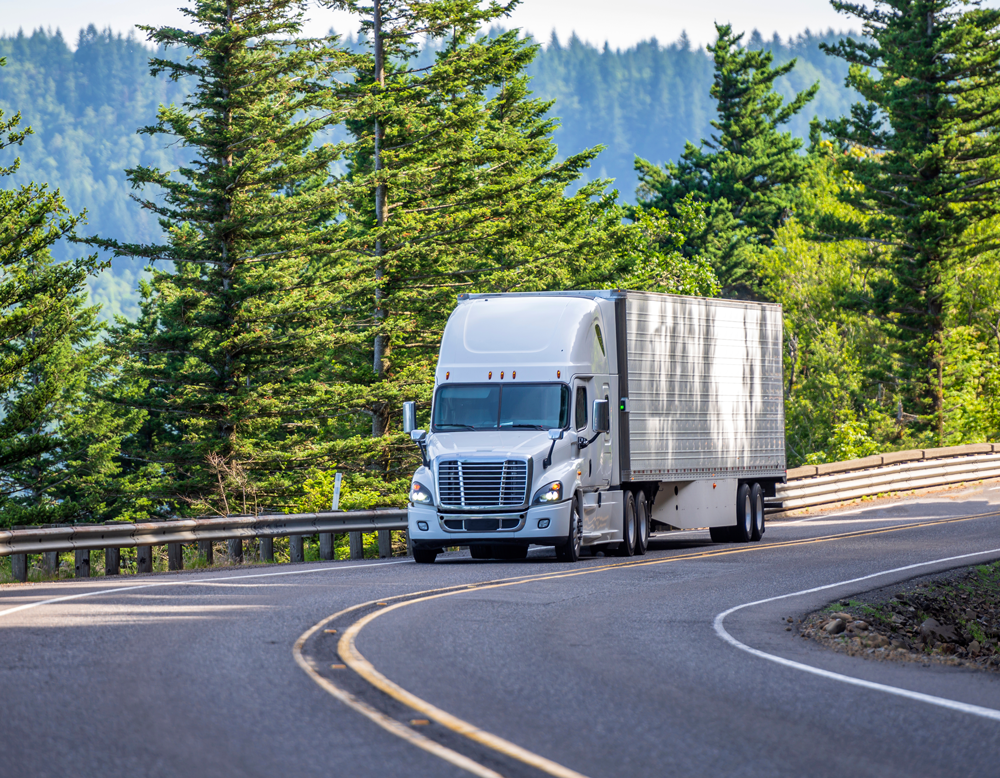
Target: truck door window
(581, 407)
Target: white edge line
(975, 710)
(192, 581)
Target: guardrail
(807, 487)
(84, 538)
(897, 471)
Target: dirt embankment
(951, 619)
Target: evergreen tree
(230, 353)
(453, 187)
(745, 171)
(58, 443)
(928, 135)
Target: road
(603, 668)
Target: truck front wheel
(425, 556)
(570, 550)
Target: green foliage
(230, 354)
(58, 440)
(357, 492)
(745, 172)
(929, 76)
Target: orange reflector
(513, 374)
(501, 373)
(490, 375)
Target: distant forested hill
(85, 106)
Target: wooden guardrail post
(50, 562)
(82, 563)
(384, 543)
(175, 556)
(206, 550)
(266, 549)
(144, 559)
(326, 549)
(235, 546)
(357, 545)
(296, 548)
(19, 567)
(112, 561)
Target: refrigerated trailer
(587, 420)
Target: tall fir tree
(746, 172)
(58, 442)
(453, 187)
(924, 151)
(230, 354)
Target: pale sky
(621, 23)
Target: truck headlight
(420, 494)
(552, 492)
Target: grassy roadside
(952, 619)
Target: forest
(228, 251)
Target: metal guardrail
(897, 471)
(84, 538)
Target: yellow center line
(354, 659)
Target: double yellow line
(355, 660)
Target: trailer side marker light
(490, 375)
(501, 373)
(513, 374)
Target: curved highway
(675, 663)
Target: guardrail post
(326, 546)
(83, 563)
(205, 549)
(409, 545)
(235, 549)
(384, 543)
(357, 545)
(50, 562)
(296, 548)
(19, 567)
(266, 549)
(175, 556)
(144, 559)
(112, 561)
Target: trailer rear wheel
(425, 556)
(757, 502)
(629, 526)
(570, 550)
(744, 515)
(642, 529)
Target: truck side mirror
(409, 417)
(602, 416)
(555, 434)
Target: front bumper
(437, 535)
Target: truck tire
(481, 551)
(722, 534)
(642, 523)
(629, 526)
(570, 550)
(425, 556)
(744, 515)
(757, 503)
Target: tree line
(333, 195)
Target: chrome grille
(482, 484)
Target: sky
(621, 23)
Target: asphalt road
(596, 669)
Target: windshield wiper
(522, 426)
(457, 426)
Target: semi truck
(587, 420)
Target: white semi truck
(587, 420)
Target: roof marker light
(490, 375)
(513, 374)
(501, 373)
(447, 375)
(558, 373)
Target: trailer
(587, 420)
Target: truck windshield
(496, 406)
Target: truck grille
(482, 484)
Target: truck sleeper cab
(587, 419)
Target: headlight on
(552, 492)
(420, 494)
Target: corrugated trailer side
(704, 387)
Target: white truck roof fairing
(530, 337)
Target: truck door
(604, 442)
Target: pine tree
(230, 353)
(745, 172)
(453, 188)
(58, 442)
(924, 149)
